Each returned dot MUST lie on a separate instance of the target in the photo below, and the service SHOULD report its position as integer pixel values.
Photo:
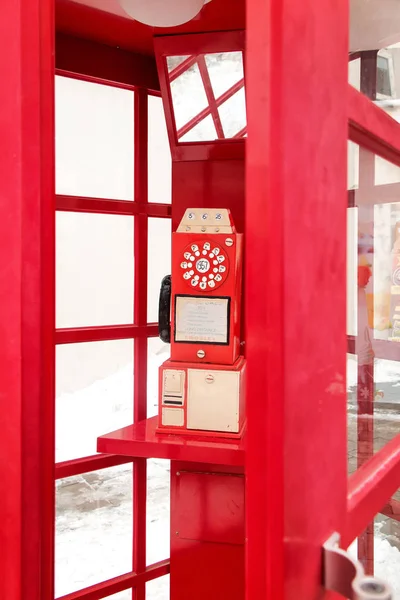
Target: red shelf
(142, 441)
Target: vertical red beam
(364, 348)
(27, 323)
(365, 368)
(201, 62)
(295, 292)
(140, 318)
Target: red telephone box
(262, 514)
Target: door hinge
(345, 575)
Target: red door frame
(27, 299)
(298, 113)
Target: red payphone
(201, 387)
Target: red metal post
(140, 319)
(27, 300)
(295, 292)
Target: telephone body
(201, 387)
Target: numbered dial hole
(204, 266)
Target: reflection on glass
(225, 70)
(159, 154)
(94, 140)
(94, 266)
(233, 114)
(376, 73)
(208, 96)
(159, 262)
(94, 528)
(373, 310)
(94, 394)
(373, 362)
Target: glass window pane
(94, 528)
(157, 353)
(354, 73)
(94, 394)
(233, 114)
(188, 96)
(386, 173)
(352, 165)
(94, 140)
(225, 69)
(159, 154)
(159, 262)
(158, 589)
(158, 510)
(94, 262)
(203, 132)
(373, 311)
(175, 61)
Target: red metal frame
(140, 331)
(194, 46)
(295, 336)
(27, 300)
(301, 377)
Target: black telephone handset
(164, 310)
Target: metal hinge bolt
(345, 575)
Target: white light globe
(163, 13)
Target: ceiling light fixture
(163, 13)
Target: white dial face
(201, 266)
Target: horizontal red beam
(372, 128)
(392, 510)
(70, 468)
(111, 207)
(370, 487)
(101, 63)
(76, 335)
(119, 584)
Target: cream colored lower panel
(173, 417)
(213, 400)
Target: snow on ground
(386, 561)
(94, 511)
(386, 371)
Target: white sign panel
(201, 320)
